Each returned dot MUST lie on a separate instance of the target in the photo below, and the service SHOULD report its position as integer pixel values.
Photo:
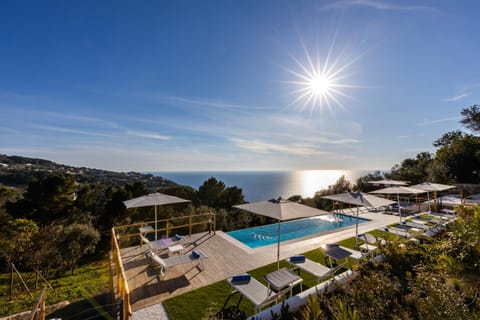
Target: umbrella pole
(428, 199)
(356, 231)
(278, 247)
(399, 209)
(155, 222)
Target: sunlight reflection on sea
(264, 185)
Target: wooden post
(190, 226)
(126, 306)
(42, 309)
(214, 223)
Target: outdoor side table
(178, 248)
(336, 253)
(283, 278)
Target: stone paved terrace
(226, 257)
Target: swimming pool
(264, 235)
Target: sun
(320, 84)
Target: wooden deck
(226, 257)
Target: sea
(265, 185)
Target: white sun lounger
(257, 293)
(318, 270)
(369, 242)
(397, 232)
(159, 245)
(167, 263)
(421, 226)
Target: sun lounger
(257, 293)
(167, 263)
(433, 231)
(318, 270)
(161, 244)
(398, 232)
(415, 225)
(442, 216)
(369, 242)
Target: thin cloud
(428, 122)
(80, 118)
(74, 131)
(378, 5)
(217, 104)
(267, 147)
(411, 136)
(148, 135)
(458, 97)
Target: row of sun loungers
(282, 281)
(428, 226)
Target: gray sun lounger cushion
(318, 270)
(370, 238)
(156, 245)
(257, 293)
(164, 264)
(415, 225)
(397, 232)
(369, 241)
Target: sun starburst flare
(320, 84)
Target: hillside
(17, 171)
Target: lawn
(207, 301)
(89, 280)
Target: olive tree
(77, 241)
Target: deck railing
(184, 225)
(166, 227)
(122, 282)
(38, 311)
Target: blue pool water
(267, 234)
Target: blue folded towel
(195, 254)
(178, 237)
(241, 279)
(297, 259)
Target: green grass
(384, 235)
(207, 301)
(204, 302)
(89, 280)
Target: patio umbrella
(281, 210)
(153, 199)
(389, 182)
(359, 199)
(434, 187)
(398, 190)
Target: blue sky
(214, 85)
